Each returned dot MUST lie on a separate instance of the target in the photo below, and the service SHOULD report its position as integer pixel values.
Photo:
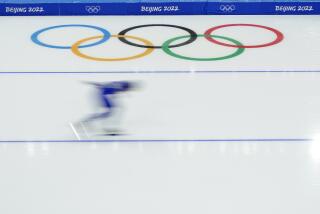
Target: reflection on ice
(315, 149)
(30, 149)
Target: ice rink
(225, 119)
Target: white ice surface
(278, 177)
(120, 178)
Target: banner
(157, 7)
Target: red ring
(279, 35)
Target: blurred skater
(106, 94)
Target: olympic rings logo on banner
(93, 9)
(149, 47)
(227, 8)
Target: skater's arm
(94, 84)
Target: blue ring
(36, 40)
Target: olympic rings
(150, 47)
(192, 37)
(278, 39)
(166, 49)
(76, 51)
(227, 8)
(93, 9)
(104, 38)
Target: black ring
(193, 35)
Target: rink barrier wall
(86, 8)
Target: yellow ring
(76, 51)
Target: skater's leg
(107, 110)
(97, 116)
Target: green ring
(166, 49)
